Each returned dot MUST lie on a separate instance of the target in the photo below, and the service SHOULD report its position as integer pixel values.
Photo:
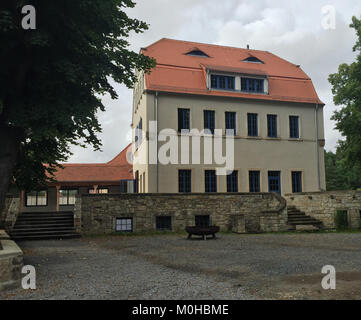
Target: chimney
(247, 46)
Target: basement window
(202, 221)
(124, 225)
(164, 223)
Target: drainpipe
(317, 149)
(156, 139)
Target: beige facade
(260, 153)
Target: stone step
(72, 235)
(35, 230)
(43, 225)
(299, 222)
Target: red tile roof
(181, 73)
(100, 173)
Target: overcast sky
(291, 29)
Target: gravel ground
(271, 266)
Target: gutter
(317, 149)
(156, 138)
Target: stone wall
(324, 205)
(10, 213)
(96, 214)
(11, 263)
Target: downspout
(317, 149)
(156, 139)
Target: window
(202, 221)
(272, 125)
(210, 181)
(274, 181)
(222, 82)
(67, 197)
(209, 121)
(197, 53)
(296, 181)
(254, 181)
(127, 186)
(253, 59)
(164, 223)
(138, 133)
(184, 180)
(232, 182)
(183, 119)
(124, 225)
(252, 125)
(99, 191)
(231, 122)
(252, 85)
(37, 198)
(294, 127)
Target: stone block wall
(96, 214)
(324, 205)
(10, 212)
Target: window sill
(295, 139)
(254, 138)
(273, 138)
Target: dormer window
(253, 59)
(197, 53)
(252, 85)
(222, 82)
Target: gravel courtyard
(269, 266)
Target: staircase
(297, 220)
(44, 225)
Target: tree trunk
(9, 148)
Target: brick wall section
(324, 205)
(96, 214)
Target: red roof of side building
(99, 173)
(181, 73)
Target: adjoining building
(269, 103)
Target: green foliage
(346, 88)
(341, 221)
(339, 176)
(52, 78)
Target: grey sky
(290, 29)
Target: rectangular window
(296, 181)
(210, 181)
(184, 180)
(98, 191)
(183, 119)
(138, 133)
(294, 127)
(67, 197)
(272, 125)
(232, 182)
(252, 85)
(164, 223)
(209, 121)
(202, 221)
(254, 181)
(124, 225)
(128, 186)
(222, 82)
(252, 124)
(231, 122)
(36, 198)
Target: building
(112, 177)
(270, 104)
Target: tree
(346, 88)
(52, 78)
(338, 175)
